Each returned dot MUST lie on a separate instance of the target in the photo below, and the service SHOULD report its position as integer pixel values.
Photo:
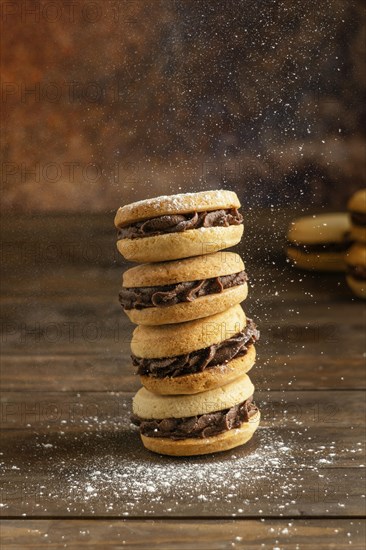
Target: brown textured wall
(109, 101)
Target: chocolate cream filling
(357, 272)
(168, 295)
(358, 218)
(176, 223)
(204, 425)
(319, 248)
(198, 361)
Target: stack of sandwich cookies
(356, 257)
(194, 344)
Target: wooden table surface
(74, 472)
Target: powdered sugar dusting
(172, 204)
(181, 200)
(106, 470)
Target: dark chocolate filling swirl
(168, 295)
(200, 426)
(176, 223)
(198, 361)
(358, 272)
(358, 218)
(319, 248)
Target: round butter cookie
(356, 269)
(178, 226)
(179, 291)
(357, 210)
(152, 342)
(148, 405)
(319, 242)
(208, 422)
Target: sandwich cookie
(178, 226)
(357, 209)
(319, 242)
(178, 291)
(356, 269)
(196, 356)
(208, 422)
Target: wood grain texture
(305, 459)
(113, 371)
(295, 409)
(70, 452)
(174, 535)
(299, 493)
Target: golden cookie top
(183, 203)
(150, 405)
(154, 342)
(189, 269)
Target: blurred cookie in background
(356, 269)
(319, 242)
(357, 210)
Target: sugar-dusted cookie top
(175, 204)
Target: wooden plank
(76, 327)
(114, 372)
(269, 284)
(76, 454)
(182, 535)
(328, 409)
(287, 308)
(309, 447)
(80, 279)
(90, 328)
(110, 486)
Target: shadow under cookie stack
(193, 344)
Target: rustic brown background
(109, 101)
